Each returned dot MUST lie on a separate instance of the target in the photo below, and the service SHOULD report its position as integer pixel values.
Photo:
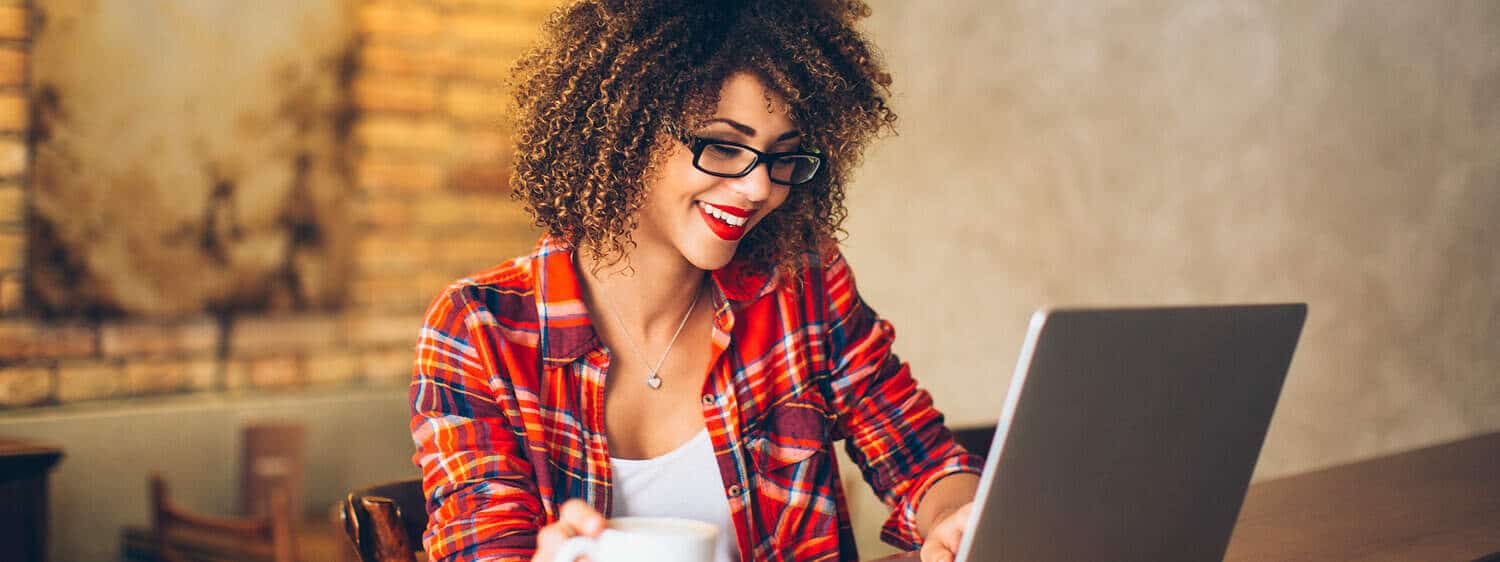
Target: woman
(686, 340)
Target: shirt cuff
(900, 530)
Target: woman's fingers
(941, 545)
(584, 519)
(550, 539)
(576, 518)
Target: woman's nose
(755, 186)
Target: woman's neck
(649, 291)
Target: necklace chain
(653, 380)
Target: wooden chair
(385, 521)
(975, 438)
(169, 520)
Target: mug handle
(574, 548)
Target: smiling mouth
(725, 216)
(728, 223)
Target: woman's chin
(711, 259)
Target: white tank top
(683, 483)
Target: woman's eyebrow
(750, 131)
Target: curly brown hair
(614, 79)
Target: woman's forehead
(745, 99)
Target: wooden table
(23, 499)
(1434, 504)
(1437, 504)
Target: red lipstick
(736, 211)
(723, 229)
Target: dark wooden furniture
(320, 538)
(1436, 504)
(23, 499)
(169, 520)
(975, 438)
(385, 521)
(272, 456)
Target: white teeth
(723, 217)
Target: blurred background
(221, 214)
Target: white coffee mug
(646, 539)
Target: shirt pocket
(795, 502)
(792, 432)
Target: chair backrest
(975, 438)
(168, 519)
(385, 521)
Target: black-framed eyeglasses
(733, 160)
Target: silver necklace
(654, 380)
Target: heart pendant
(653, 381)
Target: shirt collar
(567, 333)
(562, 318)
(742, 284)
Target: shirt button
(734, 491)
(708, 399)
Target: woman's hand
(941, 544)
(577, 518)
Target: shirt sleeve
(482, 502)
(893, 431)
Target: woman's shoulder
(826, 281)
(513, 274)
(505, 291)
(821, 273)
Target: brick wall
(13, 153)
(430, 162)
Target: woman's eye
(723, 150)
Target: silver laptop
(1131, 434)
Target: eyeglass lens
(735, 161)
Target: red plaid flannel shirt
(508, 399)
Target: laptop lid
(1131, 434)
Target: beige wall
(1345, 153)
